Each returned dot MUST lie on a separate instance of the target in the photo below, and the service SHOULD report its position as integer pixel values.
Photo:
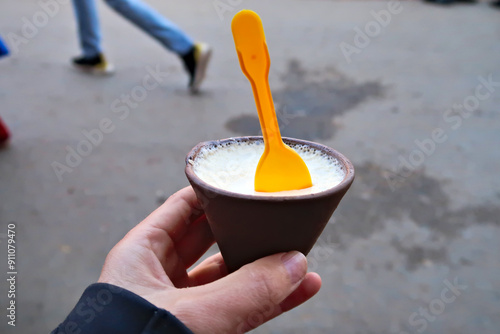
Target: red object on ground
(4, 133)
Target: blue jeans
(137, 12)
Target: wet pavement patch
(370, 204)
(309, 102)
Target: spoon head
(281, 169)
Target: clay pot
(248, 227)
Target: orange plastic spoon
(280, 167)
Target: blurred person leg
(194, 55)
(4, 134)
(3, 49)
(89, 33)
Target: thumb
(252, 295)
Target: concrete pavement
(413, 248)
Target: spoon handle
(265, 108)
(253, 55)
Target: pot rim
(342, 186)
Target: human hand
(153, 258)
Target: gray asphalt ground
(411, 110)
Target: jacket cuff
(106, 308)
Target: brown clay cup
(248, 227)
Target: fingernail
(295, 265)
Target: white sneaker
(202, 54)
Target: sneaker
(195, 62)
(94, 65)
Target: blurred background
(412, 98)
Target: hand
(153, 258)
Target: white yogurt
(231, 166)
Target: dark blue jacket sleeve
(108, 309)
